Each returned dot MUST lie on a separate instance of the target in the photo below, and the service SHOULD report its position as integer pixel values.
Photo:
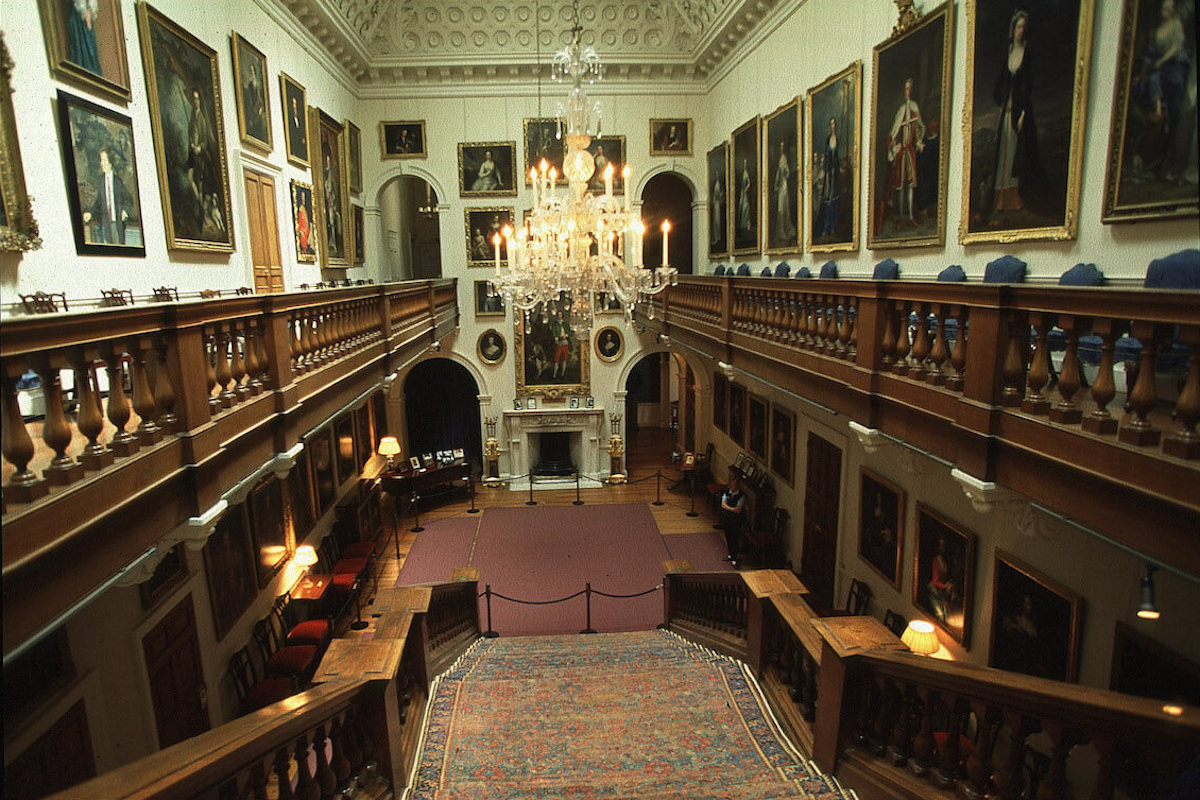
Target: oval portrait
(609, 345)
(491, 347)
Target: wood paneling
(262, 216)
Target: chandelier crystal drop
(576, 244)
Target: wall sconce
(726, 369)
(1148, 609)
(390, 447)
(920, 638)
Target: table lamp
(306, 556)
(390, 447)
(920, 638)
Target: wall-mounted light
(726, 369)
(920, 638)
(1148, 609)
(389, 446)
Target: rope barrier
(586, 590)
(534, 602)
(627, 596)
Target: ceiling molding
(309, 42)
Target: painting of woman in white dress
(746, 149)
(782, 132)
(487, 169)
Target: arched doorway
(410, 228)
(666, 196)
(652, 411)
(441, 404)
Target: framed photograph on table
(783, 436)
(414, 462)
(250, 94)
(86, 45)
(1036, 622)
(480, 225)
(747, 188)
(944, 575)
(833, 145)
(543, 142)
(784, 178)
(881, 525)
(295, 120)
(303, 226)
(550, 361)
(99, 162)
(718, 201)
(756, 427)
(737, 413)
(1026, 95)
(671, 137)
(402, 139)
(910, 133)
(487, 169)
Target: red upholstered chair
(363, 549)
(252, 693)
(298, 661)
(317, 632)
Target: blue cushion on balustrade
(1005, 269)
(782, 269)
(720, 270)
(743, 269)
(829, 270)
(886, 270)
(1177, 271)
(766, 272)
(1082, 275)
(953, 273)
(803, 272)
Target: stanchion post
(578, 500)
(487, 594)
(471, 488)
(587, 591)
(416, 507)
(658, 501)
(531, 501)
(692, 494)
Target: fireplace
(555, 442)
(553, 454)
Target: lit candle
(608, 176)
(496, 242)
(641, 232)
(666, 229)
(553, 179)
(533, 178)
(625, 186)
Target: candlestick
(496, 242)
(608, 180)
(625, 180)
(641, 232)
(666, 229)
(553, 179)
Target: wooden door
(59, 758)
(822, 498)
(264, 233)
(176, 676)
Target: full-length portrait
(834, 128)
(718, 201)
(544, 142)
(745, 180)
(781, 133)
(331, 193)
(303, 225)
(1024, 117)
(944, 574)
(551, 359)
(295, 120)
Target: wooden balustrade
(453, 620)
(712, 607)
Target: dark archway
(667, 196)
(441, 404)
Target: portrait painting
(1036, 622)
(720, 401)
(482, 225)
(360, 244)
(300, 499)
(319, 446)
(402, 139)
(189, 134)
(353, 156)
(746, 187)
(229, 567)
(544, 142)
(671, 137)
(783, 435)
(781, 135)
(881, 525)
(1152, 172)
(944, 576)
(302, 222)
(250, 94)
(832, 145)
(331, 195)
(608, 151)
(488, 303)
(491, 347)
(487, 169)
(610, 344)
(269, 527)
(910, 133)
(551, 359)
(756, 427)
(18, 228)
(346, 455)
(363, 443)
(718, 201)
(295, 120)
(169, 573)
(1023, 122)
(737, 413)
(85, 41)
(99, 163)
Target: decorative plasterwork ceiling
(393, 44)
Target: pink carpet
(706, 551)
(444, 545)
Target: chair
(165, 294)
(305, 287)
(856, 602)
(766, 272)
(243, 290)
(720, 270)
(1177, 271)
(253, 693)
(116, 297)
(1082, 275)
(783, 270)
(43, 303)
(743, 270)
(894, 622)
(297, 661)
(886, 270)
(952, 274)
(1005, 269)
(803, 272)
(317, 632)
(209, 294)
(829, 270)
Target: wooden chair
(243, 290)
(253, 693)
(209, 294)
(317, 632)
(856, 602)
(43, 303)
(894, 622)
(165, 294)
(297, 661)
(110, 298)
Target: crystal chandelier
(577, 244)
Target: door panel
(59, 758)
(176, 676)
(822, 499)
(263, 223)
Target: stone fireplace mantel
(586, 427)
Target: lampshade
(920, 638)
(389, 446)
(306, 555)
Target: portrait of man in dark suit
(111, 209)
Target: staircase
(642, 715)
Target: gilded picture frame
(402, 139)
(720, 401)
(911, 87)
(832, 169)
(491, 347)
(608, 150)
(783, 443)
(479, 226)
(610, 344)
(756, 426)
(89, 53)
(1036, 622)
(551, 360)
(783, 179)
(184, 91)
(331, 195)
(1151, 143)
(1016, 184)
(487, 169)
(353, 156)
(737, 413)
(294, 99)
(544, 140)
(304, 226)
(881, 514)
(487, 302)
(250, 94)
(268, 527)
(717, 162)
(18, 228)
(746, 197)
(944, 573)
(229, 569)
(671, 137)
(358, 221)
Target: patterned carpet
(634, 715)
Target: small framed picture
(670, 137)
(427, 459)
(531, 403)
(414, 462)
(302, 222)
(480, 225)
(689, 460)
(609, 344)
(591, 402)
(606, 151)
(574, 402)
(354, 156)
(491, 347)
(487, 303)
(250, 94)
(402, 139)
(543, 142)
(517, 404)
(487, 169)
(608, 303)
(295, 120)
(458, 453)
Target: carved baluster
(921, 347)
(224, 373)
(253, 368)
(339, 763)
(210, 341)
(337, 330)
(295, 345)
(888, 345)
(1102, 789)
(852, 351)
(320, 331)
(814, 323)
(256, 784)
(903, 339)
(1103, 387)
(1035, 401)
(958, 356)
(326, 780)
(844, 329)
(1013, 369)
(123, 442)
(778, 316)
(881, 726)
(1065, 411)
(366, 743)
(808, 692)
(1184, 442)
(979, 763)
(237, 365)
(940, 352)
(164, 391)
(351, 746)
(949, 753)
(89, 418)
(260, 346)
(148, 432)
(923, 743)
(56, 431)
(1054, 784)
(1139, 430)
(868, 706)
(306, 785)
(900, 743)
(1007, 770)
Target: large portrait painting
(756, 427)
(300, 498)
(737, 413)
(229, 566)
(746, 187)
(944, 576)
(1036, 622)
(783, 436)
(482, 225)
(303, 223)
(487, 169)
(1023, 122)
(781, 132)
(358, 221)
(85, 40)
(544, 142)
(250, 94)
(402, 139)
(720, 401)
(552, 360)
(99, 162)
(881, 525)
(18, 228)
(189, 134)
(269, 527)
(319, 446)
(910, 144)
(295, 120)
(718, 201)
(608, 151)
(331, 194)
(353, 157)
(832, 146)
(1152, 146)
